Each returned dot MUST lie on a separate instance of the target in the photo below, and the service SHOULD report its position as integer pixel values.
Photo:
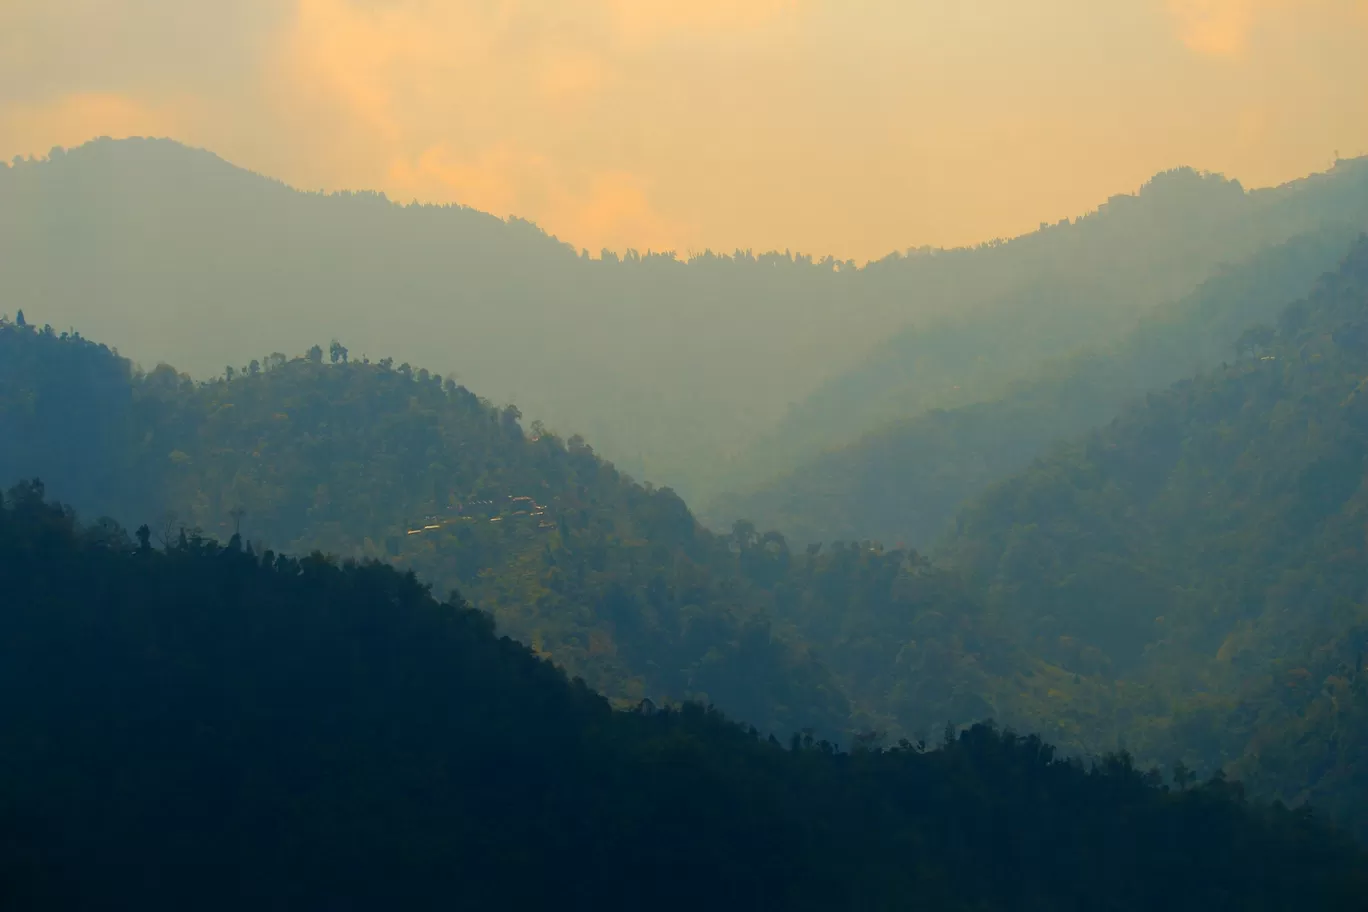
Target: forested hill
(1210, 541)
(616, 581)
(674, 369)
(613, 581)
(211, 727)
(906, 482)
(1089, 283)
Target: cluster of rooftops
(494, 509)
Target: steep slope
(908, 642)
(200, 727)
(171, 253)
(1306, 720)
(1210, 541)
(905, 483)
(672, 368)
(617, 582)
(1087, 284)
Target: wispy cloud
(73, 119)
(431, 92)
(1220, 28)
(1225, 28)
(649, 20)
(844, 126)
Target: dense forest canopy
(210, 726)
(618, 583)
(1209, 544)
(376, 460)
(614, 581)
(1184, 581)
(905, 482)
(677, 366)
(1081, 285)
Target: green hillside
(1210, 542)
(614, 581)
(371, 460)
(1184, 581)
(1082, 285)
(680, 368)
(208, 727)
(906, 482)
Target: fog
(680, 371)
(796, 454)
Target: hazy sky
(851, 127)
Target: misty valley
(359, 555)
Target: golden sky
(850, 127)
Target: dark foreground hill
(204, 727)
(615, 581)
(1187, 580)
(1216, 620)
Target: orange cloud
(73, 119)
(499, 180)
(617, 207)
(640, 20)
(843, 126)
(567, 77)
(338, 53)
(455, 102)
(1219, 28)
(1224, 28)
(610, 208)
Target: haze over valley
(782, 455)
(708, 374)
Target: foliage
(674, 366)
(1185, 582)
(616, 581)
(613, 581)
(201, 726)
(1068, 287)
(906, 482)
(1209, 542)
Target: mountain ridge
(674, 370)
(904, 482)
(1064, 309)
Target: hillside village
(494, 510)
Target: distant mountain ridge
(906, 482)
(1181, 579)
(1091, 283)
(1186, 580)
(677, 371)
(1209, 545)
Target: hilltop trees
(1182, 581)
(616, 581)
(1210, 543)
(905, 482)
(219, 726)
(681, 369)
